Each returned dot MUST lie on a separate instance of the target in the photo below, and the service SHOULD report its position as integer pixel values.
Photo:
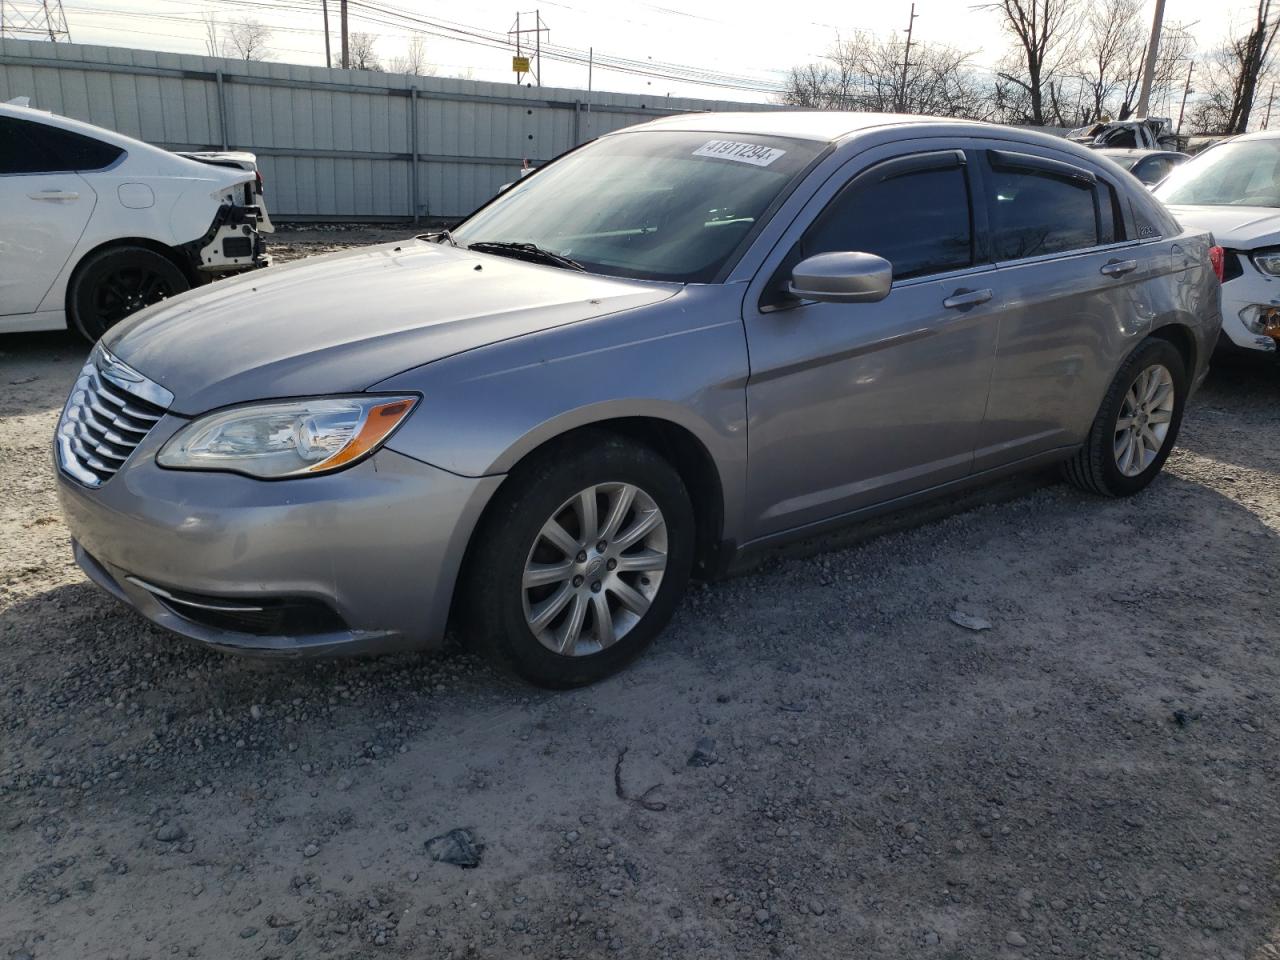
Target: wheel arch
(676, 443)
(155, 246)
(1183, 340)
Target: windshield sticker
(755, 154)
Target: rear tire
(1136, 426)
(111, 284)
(579, 562)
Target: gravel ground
(814, 761)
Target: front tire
(1137, 425)
(579, 562)
(113, 283)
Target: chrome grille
(111, 409)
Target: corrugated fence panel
(333, 144)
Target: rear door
(1075, 291)
(46, 205)
(853, 404)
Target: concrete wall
(332, 144)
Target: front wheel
(580, 561)
(1137, 425)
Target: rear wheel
(1137, 425)
(580, 562)
(114, 283)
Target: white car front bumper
(1251, 307)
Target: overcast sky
(756, 41)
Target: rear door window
(29, 147)
(919, 220)
(1034, 211)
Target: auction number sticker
(756, 154)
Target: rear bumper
(361, 561)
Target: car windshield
(653, 205)
(1126, 160)
(1242, 173)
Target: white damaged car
(1232, 190)
(95, 225)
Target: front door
(851, 405)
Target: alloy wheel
(1146, 413)
(594, 569)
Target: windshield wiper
(526, 251)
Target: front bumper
(360, 561)
(1250, 288)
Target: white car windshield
(653, 205)
(1241, 173)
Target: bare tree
(246, 39)
(363, 56)
(414, 62)
(1043, 30)
(1230, 76)
(1252, 58)
(1112, 58)
(1111, 62)
(865, 73)
(212, 40)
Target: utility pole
(591, 62)
(518, 30)
(346, 50)
(328, 60)
(906, 62)
(1271, 97)
(1149, 69)
(1186, 92)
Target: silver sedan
(673, 346)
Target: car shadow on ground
(1108, 738)
(85, 634)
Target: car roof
(78, 126)
(823, 125)
(1256, 135)
(1137, 152)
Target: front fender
(683, 361)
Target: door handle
(54, 195)
(966, 298)
(1118, 268)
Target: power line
(389, 16)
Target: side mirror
(842, 278)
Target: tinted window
(27, 147)
(1034, 213)
(919, 222)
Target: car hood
(1240, 228)
(342, 322)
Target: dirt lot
(813, 762)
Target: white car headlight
(1268, 263)
(291, 438)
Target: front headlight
(1268, 262)
(288, 438)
